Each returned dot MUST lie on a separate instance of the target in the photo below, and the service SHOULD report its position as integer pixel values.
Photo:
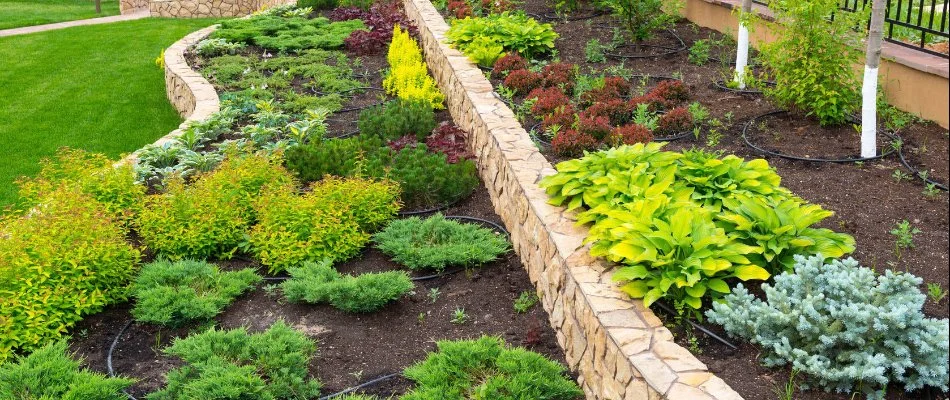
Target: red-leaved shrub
(617, 110)
(569, 142)
(459, 8)
(671, 91)
(507, 63)
(629, 134)
(655, 103)
(379, 19)
(675, 121)
(548, 100)
(559, 75)
(449, 140)
(403, 142)
(596, 126)
(563, 116)
(523, 81)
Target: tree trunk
(98, 6)
(742, 52)
(869, 89)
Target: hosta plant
(318, 282)
(234, 364)
(174, 293)
(842, 325)
(507, 32)
(715, 178)
(50, 373)
(436, 243)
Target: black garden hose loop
(668, 50)
(745, 138)
(917, 173)
(678, 136)
(360, 386)
(483, 222)
(115, 342)
(701, 328)
(721, 85)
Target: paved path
(60, 25)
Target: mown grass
(18, 13)
(91, 87)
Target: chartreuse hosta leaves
(781, 227)
(672, 251)
(713, 178)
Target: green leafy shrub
(174, 293)
(217, 47)
(287, 33)
(426, 179)
(330, 221)
(436, 243)
(844, 326)
(50, 373)
(485, 368)
(93, 174)
(397, 118)
(641, 18)
(492, 36)
(210, 217)
(812, 58)
(318, 282)
(236, 365)
(66, 258)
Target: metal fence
(917, 24)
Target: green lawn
(17, 13)
(91, 87)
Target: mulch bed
(867, 201)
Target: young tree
(742, 52)
(869, 89)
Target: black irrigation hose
(360, 386)
(345, 110)
(349, 90)
(484, 222)
(115, 342)
(555, 17)
(438, 275)
(669, 50)
(917, 173)
(678, 136)
(701, 328)
(411, 213)
(721, 85)
(745, 138)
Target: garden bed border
(190, 93)
(619, 348)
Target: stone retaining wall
(208, 8)
(620, 349)
(189, 92)
(131, 6)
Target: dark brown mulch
(867, 201)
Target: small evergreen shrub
(209, 218)
(426, 179)
(236, 365)
(397, 118)
(174, 293)
(50, 373)
(436, 243)
(318, 282)
(339, 157)
(64, 259)
(93, 174)
(318, 4)
(287, 34)
(408, 76)
(485, 368)
(844, 326)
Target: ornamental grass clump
(318, 282)
(437, 243)
(175, 293)
(845, 327)
(233, 364)
(485, 368)
(65, 258)
(408, 76)
(50, 373)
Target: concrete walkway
(68, 24)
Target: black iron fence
(917, 24)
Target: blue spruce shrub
(844, 326)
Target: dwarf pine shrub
(318, 282)
(484, 368)
(173, 293)
(398, 118)
(234, 364)
(50, 373)
(436, 243)
(844, 326)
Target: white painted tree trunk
(742, 51)
(869, 89)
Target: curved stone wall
(620, 349)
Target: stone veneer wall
(208, 8)
(189, 92)
(131, 6)
(620, 349)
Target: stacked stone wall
(208, 8)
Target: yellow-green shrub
(63, 259)
(210, 217)
(93, 174)
(331, 221)
(408, 76)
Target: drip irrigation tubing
(701, 328)
(438, 275)
(669, 50)
(348, 90)
(360, 386)
(745, 138)
(346, 110)
(678, 136)
(486, 223)
(425, 211)
(555, 17)
(721, 85)
(115, 342)
(917, 173)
